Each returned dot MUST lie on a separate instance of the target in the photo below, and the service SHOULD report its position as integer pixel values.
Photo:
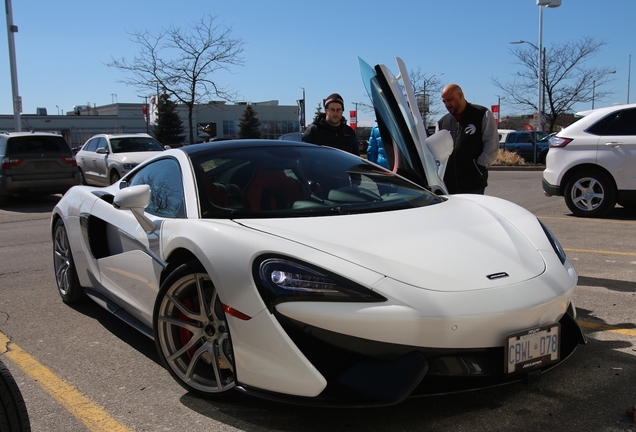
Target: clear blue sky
(62, 47)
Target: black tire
(4, 200)
(82, 179)
(13, 412)
(590, 193)
(68, 284)
(194, 343)
(114, 177)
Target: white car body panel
(458, 272)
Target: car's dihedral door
(126, 257)
(407, 135)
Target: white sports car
(306, 274)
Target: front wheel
(590, 194)
(191, 333)
(114, 177)
(13, 412)
(68, 284)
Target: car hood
(133, 157)
(457, 245)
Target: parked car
(533, 146)
(503, 133)
(251, 265)
(592, 163)
(35, 163)
(105, 158)
(14, 416)
(292, 136)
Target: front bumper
(362, 372)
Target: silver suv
(105, 158)
(592, 163)
(35, 163)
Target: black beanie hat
(335, 97)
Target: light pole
(499, 98)
(540, 60)
(426, 102)
(17, 100)
(594, 85)
(301, 112)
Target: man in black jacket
(330, 128)
(476, 142)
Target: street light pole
(594, 85)
(17, 100)
(426, 103)
(302, 115)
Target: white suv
(592, 163)
(105, 158)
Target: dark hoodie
(341, 137)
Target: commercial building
(212, 120)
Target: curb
(516, 168)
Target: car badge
(497, 275)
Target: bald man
(476, 142)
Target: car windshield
(290, 181)
(135, 144)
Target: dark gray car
(35, 163)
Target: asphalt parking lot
(80, 369)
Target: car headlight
(554, 242)
(283, 279)
(129, 166)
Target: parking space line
(608, 328)
(600, 252)
(589, 220)
(94, 417)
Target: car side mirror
(102, 150)
(441, 145)
(136, 199)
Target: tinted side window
(91, 145)
(619, 123)
(624, 123)
(166, 188)
(31, 145)
(102, 144)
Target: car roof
(195, 149)
(590, 117)
(31, 133)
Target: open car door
(410, 152)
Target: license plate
(532, 349)
(42, 164)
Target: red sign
(495, 112)
(353, 115)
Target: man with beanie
(330, 128)
(476, 142)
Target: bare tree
(567, 79)
(183, 63)
(427, 88)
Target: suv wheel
(114, 177)
(590, 193)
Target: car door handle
(614, 144)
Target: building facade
(212, 120)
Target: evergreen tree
(319, 112)
(249, 125)
(169, 128)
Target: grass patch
(506, 158)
